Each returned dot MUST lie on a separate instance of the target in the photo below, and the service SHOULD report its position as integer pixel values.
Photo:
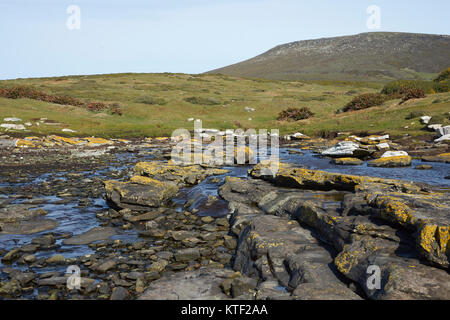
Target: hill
(374, 56)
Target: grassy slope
(267, 97)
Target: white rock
(383, 145)
(425, 119)
(249, 119)
(10, 126)
(385, 137)
(443, 138)
(344, 148)
(248, 109)
(68, 130)
(435, 127)
(12, 119)
(28, 124)
(388, 154)
(190, 119)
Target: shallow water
(435, 176)
(76, 220)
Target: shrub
(295, 114)
(412, 94)
(414, 114)
(96, 106)
(203, 101)
(364, 101)
(151, 100)
(116, 110)
(444, 75)
(397, 88)
(327, 134)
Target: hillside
(375, 56)
(157, 104)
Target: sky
(40, 37)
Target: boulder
(201, 284)
(139, 193)
(94, 234)
(443, 157)
(347, 161)
(425, 119)
(392, 159)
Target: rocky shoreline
(301, 234)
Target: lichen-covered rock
(396, 161)
(443, 157)
(347, 161)
(180, 175)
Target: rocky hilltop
(367, 56)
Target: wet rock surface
(137, 226)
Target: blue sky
(183, 36)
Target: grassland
(156, 104)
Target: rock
(389, 154)
(106, 266)
(396, 161)
(62, 281)
(140, 193)
(383, 146)
(45, 240)
(201, 284)
(322, 180)
(68, 130)
(341, 149)
(28, 226)
(443, 157)
(347, 161)
(94, 234)
(423, 167)
(12, 119)
(29, 258)
(445, 137)
(11, 255)
(10, 289)
(56, 259)
(186, 255)
(119, 293)
(425, 119)
(242, 285)
(10, 126)
(24, 278)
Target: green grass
(234, 94)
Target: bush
(396, 89)
(412, 94)
(30, 93)
(364, 101)
(116, 110)
(327, 134)
(151, 100)
(203, 101)
(96, 106)
(444, 75)
(414, 114)
(295, 114)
